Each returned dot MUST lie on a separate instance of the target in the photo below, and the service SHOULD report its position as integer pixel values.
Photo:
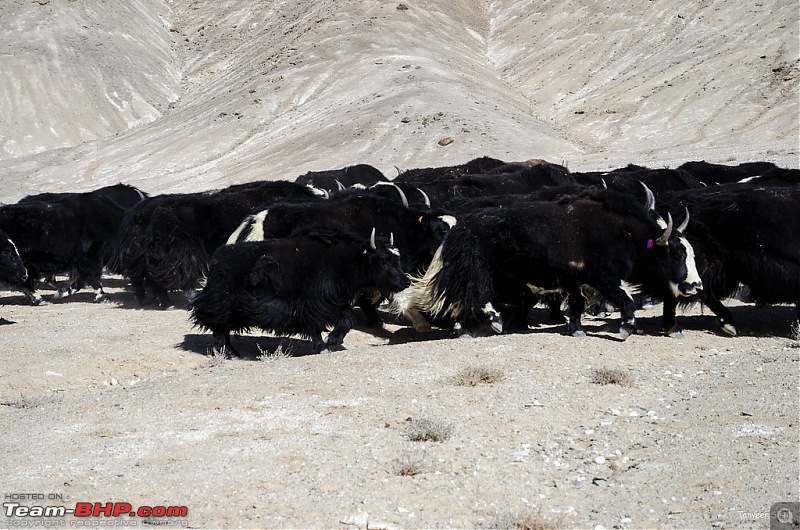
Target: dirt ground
(114, 403)
(105, 403)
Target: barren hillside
(184, 95)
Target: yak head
(384, 269)
(12, 270)
(674, 255)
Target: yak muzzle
(687, 289)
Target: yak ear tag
(420, 219)
(650, 243)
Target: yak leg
(96, 284)
(89, 269)
(417, 320)
(139, 290)
(222, 345)
(369, 304)
(374, 320)
(75, 285)
(576, 306)
(723, 313)
(27, 288)
(161, 296)
(669, 324)
(553, 302)
(345, 324)
(32, 296)
(317, 344)
(620, 296)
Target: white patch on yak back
(234, 237)
(257, 227)
(449, 219)
(253, 224)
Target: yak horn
(425, 198)
(339, 184)
(682, 228)
(372, 245)
(391, 239)
(651, 199)
(403, 197)
(662, 241)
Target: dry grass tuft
(409, 465)
(216, 357)
(426, 430)
(796, 331)
(278, 354)
(530, 519)
(478, 375)
(605, 376)
(21, 403)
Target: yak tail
(458, 282)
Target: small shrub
(477, 375)
(425, 430)
(21, 403)
(408, 465)
(530, 519)
(217, 357)
(605, 376)
(279, 353)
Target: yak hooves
(423, 327)
(729, 329)
(675, 333)
(63, 292)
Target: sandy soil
(115, 403)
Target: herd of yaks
(471, 247)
